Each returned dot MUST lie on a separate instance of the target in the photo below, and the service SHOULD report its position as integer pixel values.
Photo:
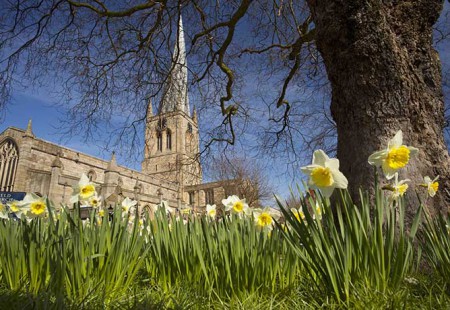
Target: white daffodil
(84, 190)
(211, 211)
(3, 211)
(95, 201)
(236, 205)
(431, 185)
(127, 203)
(265, 218)
(35, 205)
(399, 188)
(395, 157)
(324, 173)
(16, 208)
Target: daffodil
(211, 211)
(431, 185)
(236, 205)
(16, 208)
(35, 205)
(298, 213)
(265, 218)
(95, 201)
(395, 157)
(3, 211)
(324, 173)
(84, 190)
(186, 211)
(318, 211)
(127, 203)
(101, 212)
(399, 188)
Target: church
(170, 171)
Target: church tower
(171, 134)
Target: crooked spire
(175, 96)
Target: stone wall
(52, 170)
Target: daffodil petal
(83, 180)
(327, 191)
(320, 158)
(333, 163)
(308, 169)
(340, 181)
(388, 171)
(376, 159)
(397, 140)
(412, 150)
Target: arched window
(159, 140)
(91, 175)
(168, 139)
(9, 157)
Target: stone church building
(170, 170)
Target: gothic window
(91, 175)
(159, 141)
(168, 139)
(191, 198)
(209, 196)
(189, 128)
(9, 157)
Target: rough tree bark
(385, 76)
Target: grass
(346, 259)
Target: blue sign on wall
(6, 197)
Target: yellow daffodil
(324, 173)
(101, 212)
(84, 190)
(186, 211)
(395, 157)
(265, 218)
(299, 214)
(236, 205)
(431, 185)
(211, 211)
(35, 205)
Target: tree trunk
(385, 76)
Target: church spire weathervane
(175, 97)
